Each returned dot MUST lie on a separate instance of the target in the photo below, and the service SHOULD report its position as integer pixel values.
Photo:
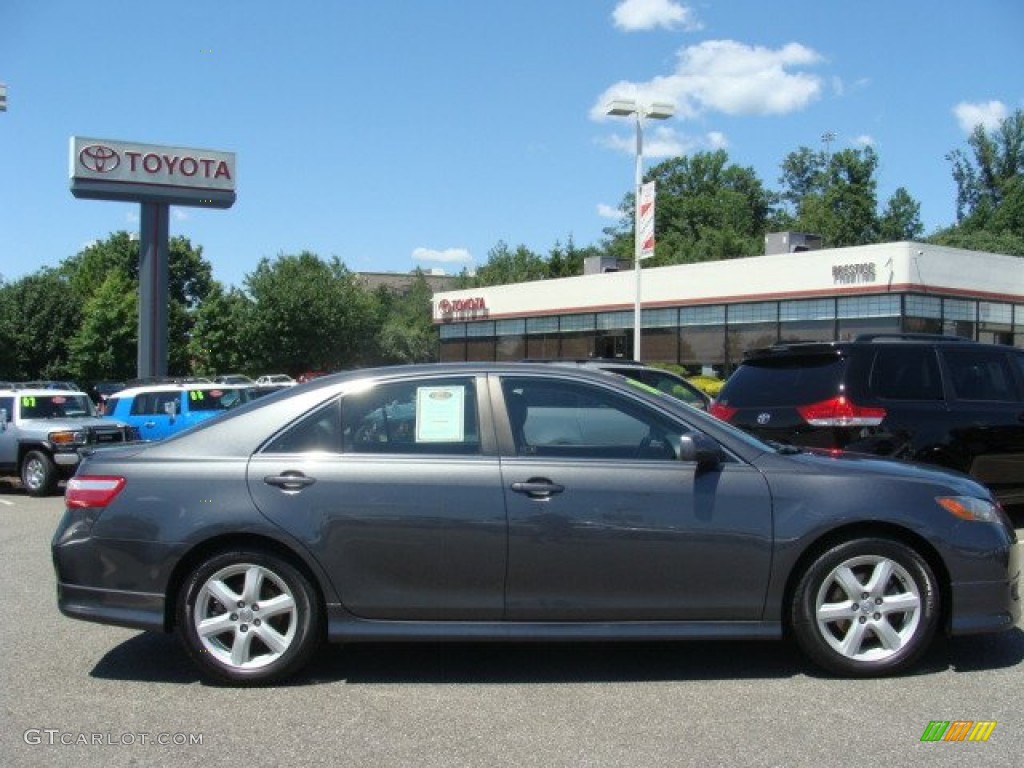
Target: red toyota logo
(445, 306)
(99, 158)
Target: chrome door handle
(289, 481)
(538, 488)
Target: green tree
(833, 195)
(218, 341)
(407, 333)
(308, 314)
(706, 209)
(189, 281)
(506, 266)
(567, 260)
(105, 345)
(988, 175)
(901, 219)
(39, 314)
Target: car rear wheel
(248, 617)
(39, 474)
(866, 607)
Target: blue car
(157, 411)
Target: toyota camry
(504, 502)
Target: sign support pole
(153, 290)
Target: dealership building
(706, 315)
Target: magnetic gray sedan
(517, 501)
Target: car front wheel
(866, 607)
(39, 474)
(248, 617)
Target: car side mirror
(171, 409)
(700, 449)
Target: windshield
(216, 399)
(55, 406)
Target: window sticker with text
(440, 414)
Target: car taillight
(90, 491)
(840, 412)
(723, 412)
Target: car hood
(73, 422)
(835, 462)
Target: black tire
(39, 475)
(866, 608)
(252, 648)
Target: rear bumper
(137, 610)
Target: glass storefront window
(659, 318)
(613, 321)
(813, 309)
(761, 312)
(869, 306)
(568, 323)
(924, 306)
(453, 331)
(509, 327)
(710, 315)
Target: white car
(275, 380)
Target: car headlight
(969, 508)
(68, 438)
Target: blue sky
(403, 133)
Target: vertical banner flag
(645, 221)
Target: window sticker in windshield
(439, 414)
(28, 402)
(196, 394)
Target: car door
(397, 491)
(607, 524)
(155, 414)
(8, 438)
(986, 416)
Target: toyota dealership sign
(105, 169)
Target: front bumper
(988, 606)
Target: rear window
(784, 381)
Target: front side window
(574, 420)
(433, 416)
(156, 403)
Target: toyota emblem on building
(99, 158)
(763, 418)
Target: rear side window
(981, 374)
(905, 373)
(785, 381)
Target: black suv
(936, 399)
(657, 378)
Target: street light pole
(657, 111)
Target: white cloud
(987, 114)
(634, 15)
(606, 211)
(729, 77)
(864, 140)
(180, 215)
(661, 142)
(447, 255)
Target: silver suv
(42, 430)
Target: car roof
(799, 348)
(38, 392)
(204, 386)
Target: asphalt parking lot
(89, 695)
